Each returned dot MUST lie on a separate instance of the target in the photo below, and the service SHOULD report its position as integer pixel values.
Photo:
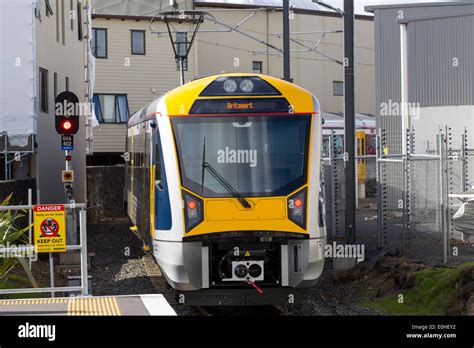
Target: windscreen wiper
(206, 165)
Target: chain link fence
(405, 204)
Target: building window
(111, 108)
(72, 14)
(38, 11)
(43, 89)
(55, 85)
(67, 83)
(57, 20)
(338, 88)
(79, 21)
(99, 42)
(49, 9)
(138, 41)
(63, 21)
(257, 67)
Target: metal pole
(333, 178)
(404, 84)
(83, 232)
(30, 220)
(51, 273)
(181, 71)
(286, 40)
(349, 121)
(380, 217)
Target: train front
(248, 149)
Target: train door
(361, 165)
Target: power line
(273, 55)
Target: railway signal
(67, 118)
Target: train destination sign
(241, 105)
(49, 228)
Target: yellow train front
(223, 184)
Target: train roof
(180, 100)
(336, 120)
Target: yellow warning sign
(247, 253)
(49, 222)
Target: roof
(383, 4)
(149, 8)
(336, 120)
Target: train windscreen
(253, 155)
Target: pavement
(155, 305)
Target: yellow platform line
(107, 305)
(31, 302)
(93, 306)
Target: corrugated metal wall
(432, 46)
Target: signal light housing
(67, 125)
(297, 208)
(193, 210)
(66, 121)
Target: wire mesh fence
(406, 203)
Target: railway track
(160, 285)
(157, 279)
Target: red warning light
(192, 205)
(66, 125)
(298, 203)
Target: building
(44, 46)
(440, 70)
(135, 60)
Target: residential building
(136, 64)
(43, 53)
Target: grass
(431, 294)
(15, 281)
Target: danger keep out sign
(49, 228)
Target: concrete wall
(19, 189)
(105, 201)
(65, 57)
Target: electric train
(333, 124)
(223, 187)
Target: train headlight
(246, 85)
(230, 86)
(193, 210)
(240, 271)
(255, 270)
(297, 208)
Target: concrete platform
(154, 304)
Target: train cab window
(258, 156)
(370, 144)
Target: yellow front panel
(232, 210)
(227, 215)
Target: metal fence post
(333, 171)
(83, 244)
